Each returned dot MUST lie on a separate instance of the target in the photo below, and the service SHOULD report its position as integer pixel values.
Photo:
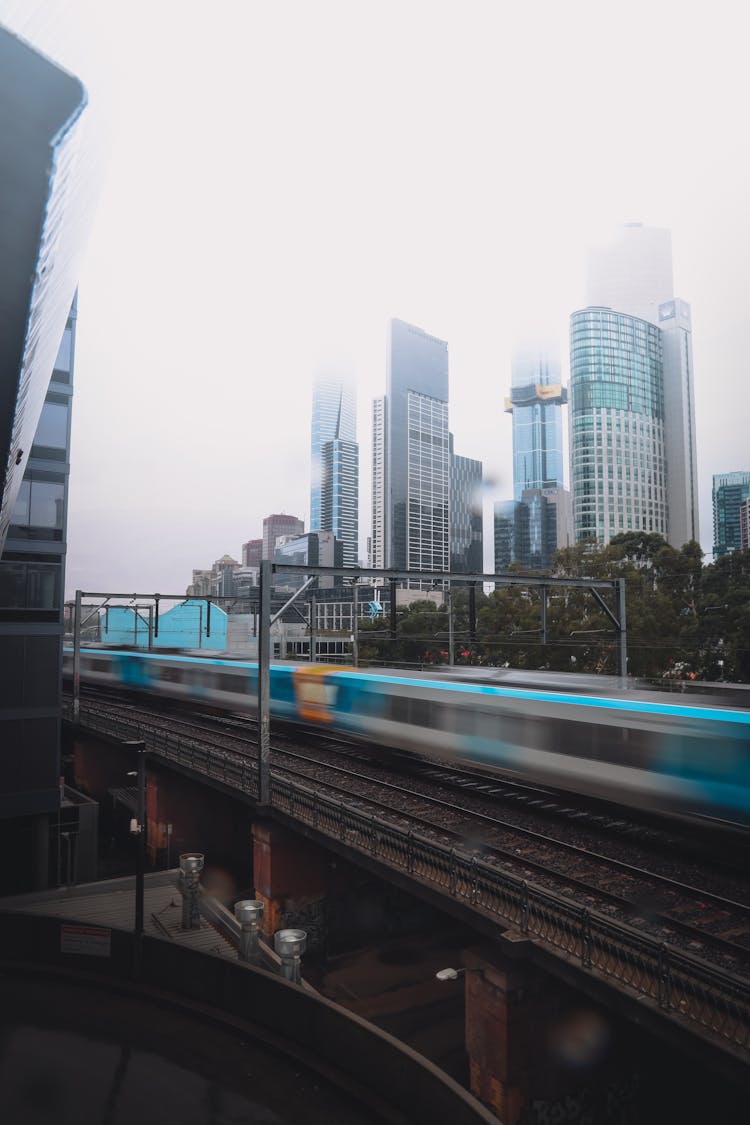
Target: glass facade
(334, 415)
(729, 492)
(417, 457)
(339, 512)
(316, 548)
(511, 527)
(529, 531)
(43, 224)
(618, 456)
(31, 570)
(535, 402)
(32, 582)
(466, 515)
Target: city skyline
(301, 241)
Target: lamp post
(454, 974)
(355, 623)
(138, 828)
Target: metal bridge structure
(653, 979)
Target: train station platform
(188, 1032)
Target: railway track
(459, 809)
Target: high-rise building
(222, 577)
(617, 445)
(379, 511)
(316, 548)
(339, 502)
(529, 531)
(535, 401)
(559, 501)
(745, 524)
(466, 537)
(511, 534)
(730, 491)
(252, 552)
(633, 273)
(334, 416)
(679, 422)
(633, 276)
(279, 524)
(43, 222)
(415, 452)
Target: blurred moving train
(679, 755)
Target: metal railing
(689, 989)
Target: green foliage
(684, 619)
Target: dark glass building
(316, 548)
(44, 219)
(729, 492)
(511, 526)
(466, 536)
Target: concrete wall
(377, 1069)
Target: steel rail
(687, 988)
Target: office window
(51, 438)
(28, 585)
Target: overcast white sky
(284, 177)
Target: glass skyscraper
(530, 529)
(339, 505)
(46, 147)
(729, 492)
(535, 400)
(334, 464)
(618, 451)
(633, 276)
(511, 529)
(334, 415)
(466, 536)
(416, 454)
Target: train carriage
(678, 755)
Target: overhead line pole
(355, 624)
(544, 615)
(623, 633)
(77, 659)
(264, 684)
